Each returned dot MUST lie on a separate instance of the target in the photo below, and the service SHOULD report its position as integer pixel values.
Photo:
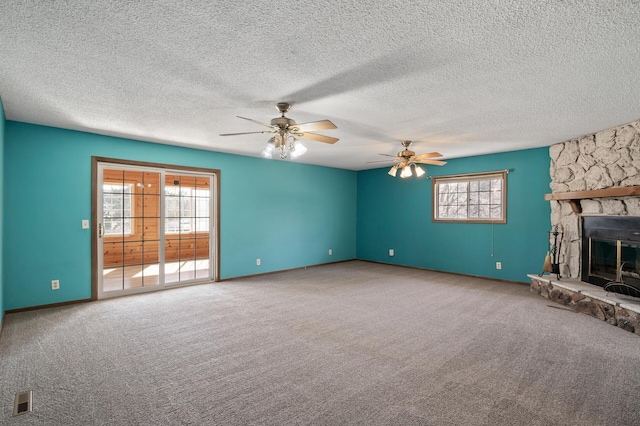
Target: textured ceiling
(459, 77)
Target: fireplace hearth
(611, 253)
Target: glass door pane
(187, 227)
(131, 234)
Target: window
(186, 210)
(117, 209)
(478, 197)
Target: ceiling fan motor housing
(406, 153)
(283, 122)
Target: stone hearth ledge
(621, 311)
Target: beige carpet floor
(352, 343)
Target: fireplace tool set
(552, 260)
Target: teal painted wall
(287, 214)
(2, 131)
(396, 213)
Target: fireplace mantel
(574, 197)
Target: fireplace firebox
(611, 253)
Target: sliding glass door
(186, 227)
(155, 228)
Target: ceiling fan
(407, 158)
(287, 132)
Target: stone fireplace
(607, 159)
(595, 204)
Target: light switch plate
(85, 224)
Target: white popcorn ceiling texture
(459, 77)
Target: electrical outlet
(257, 262)
(55, 284)
(498, 265)
(330, 252)
(391, 252)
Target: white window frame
(124, 216)
(462, 211)
(192, 221)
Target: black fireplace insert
(611, 253)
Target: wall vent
(22, 403)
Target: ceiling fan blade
(318, 138)
(244, 133)
(389, 155)
(313, 126)
(428, 155)
(433, 162)
(256, 121)
(382, 161)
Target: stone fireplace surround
(606, 159)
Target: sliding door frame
(95, 272)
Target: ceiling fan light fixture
(298, 149)
(406, 172)
(280, 142)
(269, 149)
(393, 171)
(419, 171)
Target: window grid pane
(117, 209)
(187, 210)
(478, 198)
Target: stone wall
(623, 316)
(610, 158)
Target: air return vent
(22, 403)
